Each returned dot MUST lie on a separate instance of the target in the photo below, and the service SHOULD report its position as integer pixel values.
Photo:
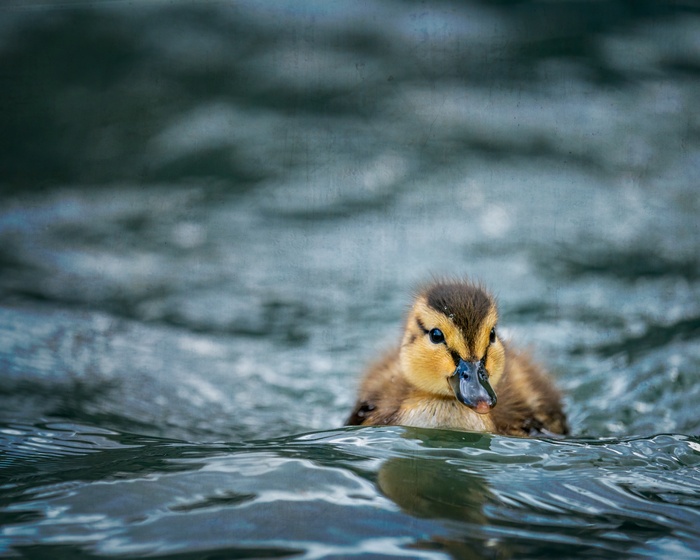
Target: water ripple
(366, 484)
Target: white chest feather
(443, 414)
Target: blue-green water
(212, 217)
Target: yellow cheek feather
(496, 363)
(428, 368)
(483, 338)
(428, 365)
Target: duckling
(452, 370)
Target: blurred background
(213, 215)
(225, 206)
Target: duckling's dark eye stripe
(421, 326)
(455, 357)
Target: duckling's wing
(380, 393)
(528, 402)
(361, 412)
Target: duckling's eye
(492, 336)
(436, 336)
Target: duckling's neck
(423, 411)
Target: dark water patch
(654, 338)
(12, 264)
(46, 451)
(74, 552)
(41, 150)
(549, 311)
(88, 411)
(628, 265)
(690, 68)
(336, 213)
(218, 500)
(282, 320)
(213, 164)
(499, 150)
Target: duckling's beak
(471, 386)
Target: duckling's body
(452, 371)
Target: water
(212, 218)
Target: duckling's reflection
(437, 486)
(426, 489)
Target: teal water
(380, 492)
(212, 218)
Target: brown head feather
(467, 304)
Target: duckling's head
(450, 346)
